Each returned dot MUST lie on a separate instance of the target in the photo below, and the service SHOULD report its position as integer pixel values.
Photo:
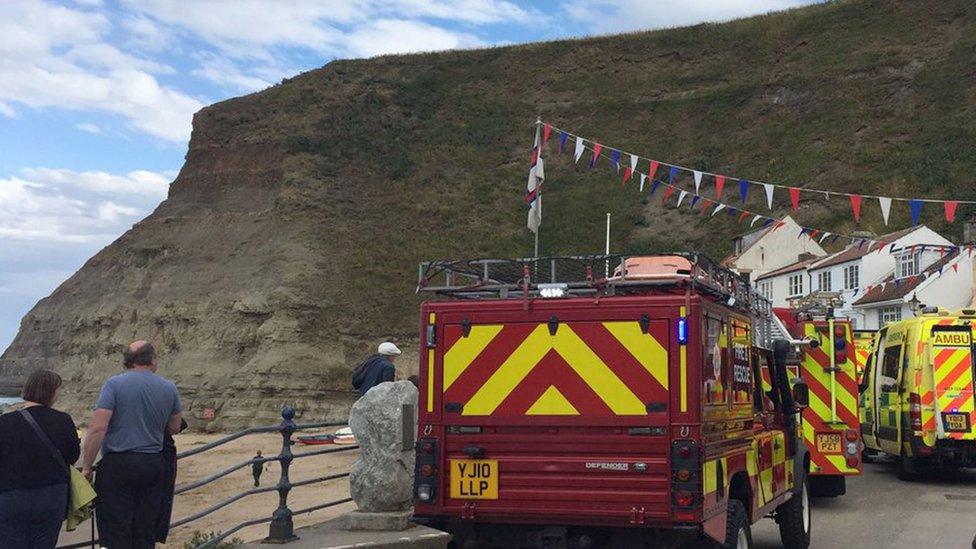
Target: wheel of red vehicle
(794, 519)
(738, 534)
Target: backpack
(359, 373)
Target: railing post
(282, 529)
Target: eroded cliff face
(289, 243)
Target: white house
(787, 282)
(762, 251)
(850, 271)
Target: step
(329, 535)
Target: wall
(777, 248)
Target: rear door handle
(474, 451)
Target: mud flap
(715, 526)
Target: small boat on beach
(315, 440)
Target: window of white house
(796, 285)
(851, 277)
(888, 314)
(766, 289)
(906, 265)
(823, 281)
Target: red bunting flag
(667, 194)
(795, 198)
(742, 216)
(706, 205)
(955, 267)
(627, 173)
(546, 130)
(597, 148)
(950, 210)
(814, 233)
(652, 169)
(719, 185)
(856, 206)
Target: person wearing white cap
(376, 369)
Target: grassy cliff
(289, 242)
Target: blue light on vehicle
(682, 331)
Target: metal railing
(281, 529)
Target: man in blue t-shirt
(376, 369)
(133, 411)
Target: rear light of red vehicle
(685, 474)
(851, 435)
(915, 411)
(852, 461)
(425, 478)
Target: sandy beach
(251, 507)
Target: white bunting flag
(769, 195)
(681, 196)
(885, 207)
(754, 219)
(698, 176)
(825, 235)
(579, 149)
(534, 189)
(643, 178)
(718, 208)
(633, 163)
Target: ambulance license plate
(956, 422)
(828, 443)
(474, 478)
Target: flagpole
(606, 267)
(538, 191)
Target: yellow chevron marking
(552, 403)
(466, 349)
(766, 478)
(510, 373)
(591, 369)
(430, 380)
(839, 462)
(644, 347)
(708, 476)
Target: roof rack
(600, 275)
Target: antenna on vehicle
(606, 273)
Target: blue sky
(96, 96)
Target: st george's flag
(533, 195)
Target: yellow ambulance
(917, 391)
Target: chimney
(805, 256)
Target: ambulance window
(889, 365)
(715, 363)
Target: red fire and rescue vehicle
(605, 401)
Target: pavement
(881, 511)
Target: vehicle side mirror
(801, 394)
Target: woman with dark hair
(33, 482)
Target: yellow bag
(80, 498)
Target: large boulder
(382, 478)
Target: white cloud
(626, 15)
(59, 205)
(396, 36)
(56, 57)
(223, 72)
(89, 128)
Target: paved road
(879, 510)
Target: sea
(5, 401)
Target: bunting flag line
(706, 204)
(950, 205)
(533, 198)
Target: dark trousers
(169, 486)
(131, 488)
(31, 519)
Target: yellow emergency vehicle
(917, 391)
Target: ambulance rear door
(951, 352)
